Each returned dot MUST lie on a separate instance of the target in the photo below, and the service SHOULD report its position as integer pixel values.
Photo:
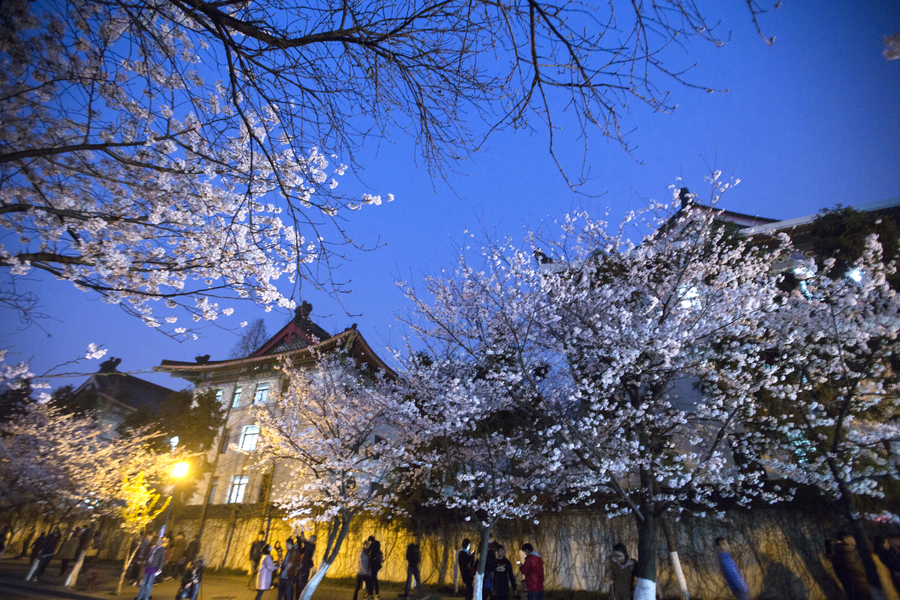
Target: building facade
(253, 381)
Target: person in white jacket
(363, 572)
(264, 575)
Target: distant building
(799, 229)
(117, 394)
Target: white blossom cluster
(128, 170)
(677, 373)
(63, 463)
(332, 429)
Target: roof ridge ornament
(302, 312)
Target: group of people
(66, 546)
(499, 577)
(289, 568)
(162, 557)
(620, 574)
(845, 560)
(848, 566)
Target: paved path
(213, 587)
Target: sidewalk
(213, 587)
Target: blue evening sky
(806, 124)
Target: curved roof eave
(354, 342)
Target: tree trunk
(673, 556)
(331, 551)
(645, 573)
(482, 561)
(234, 512)
(648, 528)
(72, 577)
(128, 559)
(212, 475)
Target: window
(226, 439)
(236, 400)
(262, 393)
(249, 437)
(219, 396)
(213, 488)
(237, 489)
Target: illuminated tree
(141, 508)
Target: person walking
(413, 558)
(307, 549)
(153, 567)
(140, 557)
(730, 571)
(376, 561)
(465, 561)
(490, 561)
(48, 549)
(192, 550)
(264, 571)
(290, 567)
(503, 578)
(620, 574)
(363, 572)
(533, 572)
(176, 556)
(255, 555)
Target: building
(253, 380)
(117, 394)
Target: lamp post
(178, 472)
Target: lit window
(236, 401)
(219, 396)
(855, 275)
(249, 437)
(237, 489)
(262, 393)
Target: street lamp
(178, 472)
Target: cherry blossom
(631, 355)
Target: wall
(779, 550)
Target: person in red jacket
(533, 572)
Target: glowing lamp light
(180, 470)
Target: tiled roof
(126, 389)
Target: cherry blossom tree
(332, 430)
(73, 466)
(611, 338)
(184, 153)
(75, 461)
(477, 445)
(829, 409)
